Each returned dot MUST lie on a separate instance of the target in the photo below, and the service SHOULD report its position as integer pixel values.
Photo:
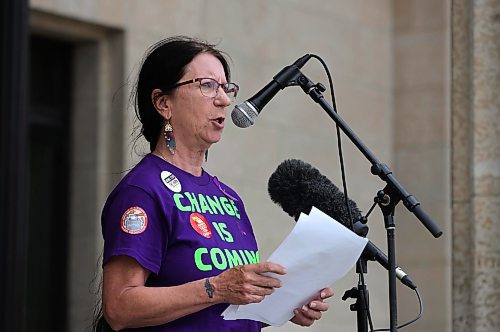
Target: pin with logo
(200, 225)
(171, 181)
(134, 220)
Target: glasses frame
(225, 86)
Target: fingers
(246, 283)
(306, 315)
(266, 267)
(325, 293)
(257, 290)
(253, 273)
(312, 311)
(301, 318)
(318, 306)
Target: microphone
(245, 113)
(296, 187)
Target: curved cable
(343, 174)
(421, 309)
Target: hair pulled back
(163, 66)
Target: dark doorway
(49, 170)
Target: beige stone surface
(486, 283)
(476, 116)
(462, 267)
(420, 59)
(419, 15)
(425, 119)
(463, 251)
(421, 153)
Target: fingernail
(323, 295)
(312, 305)
(304, 308)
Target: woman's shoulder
(146, 175)
(143, 174)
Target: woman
(178, 244)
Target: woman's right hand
(245, 284)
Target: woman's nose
(222, 99)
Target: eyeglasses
(209, 87)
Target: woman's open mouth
(219, 121)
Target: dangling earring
(168, 133)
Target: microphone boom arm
(393, 192)
(378, 168)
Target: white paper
(316, 253)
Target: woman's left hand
(312, 311)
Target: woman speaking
(178, 244)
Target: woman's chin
(214, 138)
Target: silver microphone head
(244, 114)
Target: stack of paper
(316, 253)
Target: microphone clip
(314, 90)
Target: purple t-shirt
(181, 228)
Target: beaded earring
(168, 133)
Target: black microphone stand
(391, 195)
(360, 293)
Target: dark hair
(164, 65)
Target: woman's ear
(160, 102)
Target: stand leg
(362, 305)
(360, 293)
(392, 275)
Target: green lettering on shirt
(235, 209)
(215, 205)
(203, 204)
(219, 264)
(233, 258)
(227, 235)
(252, 257)
(224, 234)
(193, 201)
(177, 199)
(222, 259)
(199, 263)
(242, 255)
(227, 206)
(216, 226)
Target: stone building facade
(417, 80)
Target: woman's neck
(188, 160)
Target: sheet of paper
(316, 253)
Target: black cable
(342, 172)
(421, 309)
(339, 142)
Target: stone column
(476, 164)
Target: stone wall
(476, 165)
(388, 59)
